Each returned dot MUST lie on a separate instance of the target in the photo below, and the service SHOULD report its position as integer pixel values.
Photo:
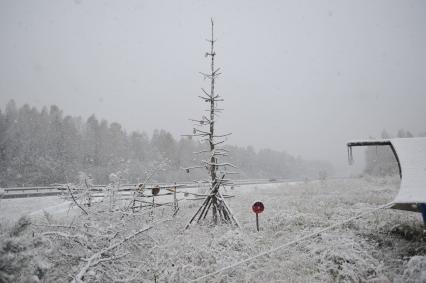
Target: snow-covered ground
(387, 245)
(12, 209)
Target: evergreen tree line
(380, 160)
(46, 147)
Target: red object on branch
(258, 207)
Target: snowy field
(385, 246)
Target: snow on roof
(411, 156)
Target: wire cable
(296, 241)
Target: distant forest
(380, 160)
(41, 147)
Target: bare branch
(218, 164)
(220, 142)
(206, 93)
(200, 131)
(221, 136)
(202, 151)
(193, 167)
(196, 135)
(75, 201)
(205, 98)
(61, 234)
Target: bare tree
(205, 130)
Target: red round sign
(258, 207)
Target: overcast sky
(299, 76)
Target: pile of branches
(99, 247)
(100, 240)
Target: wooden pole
(175, 202)
(152, 209)
(257, 221)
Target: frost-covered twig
(75, 201)
(55, 226)
(65, 235)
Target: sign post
(257, 208)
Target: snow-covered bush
(22, 255)
(415, 270)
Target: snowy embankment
(377, 247)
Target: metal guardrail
(44, 191)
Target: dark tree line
(40, 147)
(380, 160)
